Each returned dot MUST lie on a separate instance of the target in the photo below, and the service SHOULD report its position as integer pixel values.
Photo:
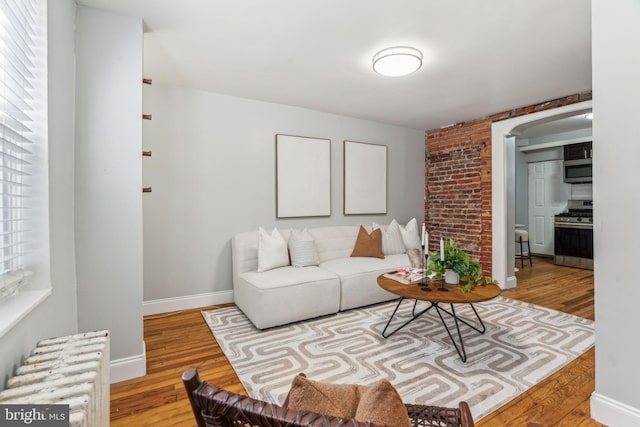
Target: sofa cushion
(272, 250)
(286, 276)
(302, 249)
(368, 244)
(358, 285)
(338, 400)
(345, 267)
(378, 403)
(392, 242)
(398, 261)
(362, 289)
(334, 242)
(287, 294)
(411, 235)
(381, 404)
(416, 258)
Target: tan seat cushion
(377, 403)
(339, 400)
(381, 404)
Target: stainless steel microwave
(576, 171)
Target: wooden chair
(215, 407)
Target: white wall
(57, 314)
(108, 193)
(616, 187)
(213, 175)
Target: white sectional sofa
(289, 294)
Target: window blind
(19, 38)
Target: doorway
(503, 183)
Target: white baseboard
(129, 367)
(187, 302)
(511, 283)
(612, 413)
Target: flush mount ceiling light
(397, 61)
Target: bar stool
(522, 236)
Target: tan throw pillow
(368, 245)
(339, 400)
(381, 404)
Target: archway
(503, 185)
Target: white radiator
(71, 370)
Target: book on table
(407, 275)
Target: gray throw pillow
(415, 258)
(302, 249)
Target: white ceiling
(481, 57)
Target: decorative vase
(451, 277)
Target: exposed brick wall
(458, 180)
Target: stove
(574, 218)
(573, 235)
(579, 212)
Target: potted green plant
(457, 263)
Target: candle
(441, 249)
(424, 230)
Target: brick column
(458, 180)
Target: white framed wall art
(303, 176)
(364, 178)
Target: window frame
(33, 274)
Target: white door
(548, 195)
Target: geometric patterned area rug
(523, 344)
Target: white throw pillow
(411, 235)
(272, 250)
(392, 242)
(302, 248)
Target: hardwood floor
(563, 398)
(178, 341)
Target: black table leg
(460, 349)
(481, 331)
(415, 316)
